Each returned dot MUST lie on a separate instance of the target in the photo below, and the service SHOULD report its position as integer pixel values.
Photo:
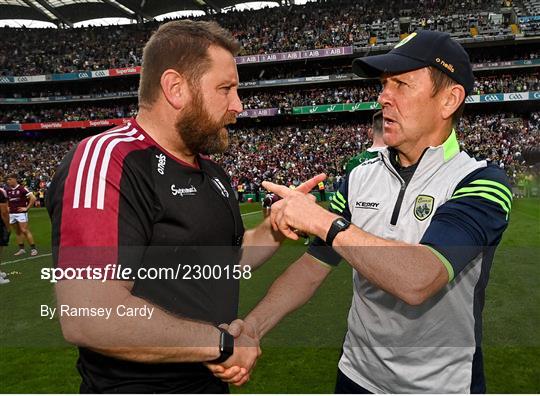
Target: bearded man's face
(200, 131)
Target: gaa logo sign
(491, 98)
(4, 80)
(517, 96)
(84, 75)
(536, 95)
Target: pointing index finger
(282, 191)
(308, 185)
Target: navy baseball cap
(421, 49)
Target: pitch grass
(300, 355)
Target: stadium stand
(506, 83)
(68, 112)
(305, 113)
(284, 99)
(293, 153)
(300, 27)
(297, 139)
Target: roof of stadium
(68, 12)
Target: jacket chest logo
(183, 191)
(423, 206)
(367, 205)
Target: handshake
(292, 213)
(237, 368)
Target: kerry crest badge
(423, 206)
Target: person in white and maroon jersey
(144, 196)
(20, 200)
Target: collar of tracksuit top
(430, 162)
(450, 148)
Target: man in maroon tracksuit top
(143, 197)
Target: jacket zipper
(397, 206)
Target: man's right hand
(237, 369)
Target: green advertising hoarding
(335, 108)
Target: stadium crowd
(500, 138)
(282, 98)
(288, 99)
(500, 54)
(72, 112)
(35, 161)
(291, 154)
(506, 83)
(92, 88)
(263, 72)
(330, 24)
(337, 66)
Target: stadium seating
(284, 99)
(329, 24)
(290, 154)
(291, 149)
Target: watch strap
(338, 225)
(226, 346)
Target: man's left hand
(234, 375)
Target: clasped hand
(237, 369)
(297, 211)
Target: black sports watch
(226, 346)
(338, 225)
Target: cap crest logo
(406, 40)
